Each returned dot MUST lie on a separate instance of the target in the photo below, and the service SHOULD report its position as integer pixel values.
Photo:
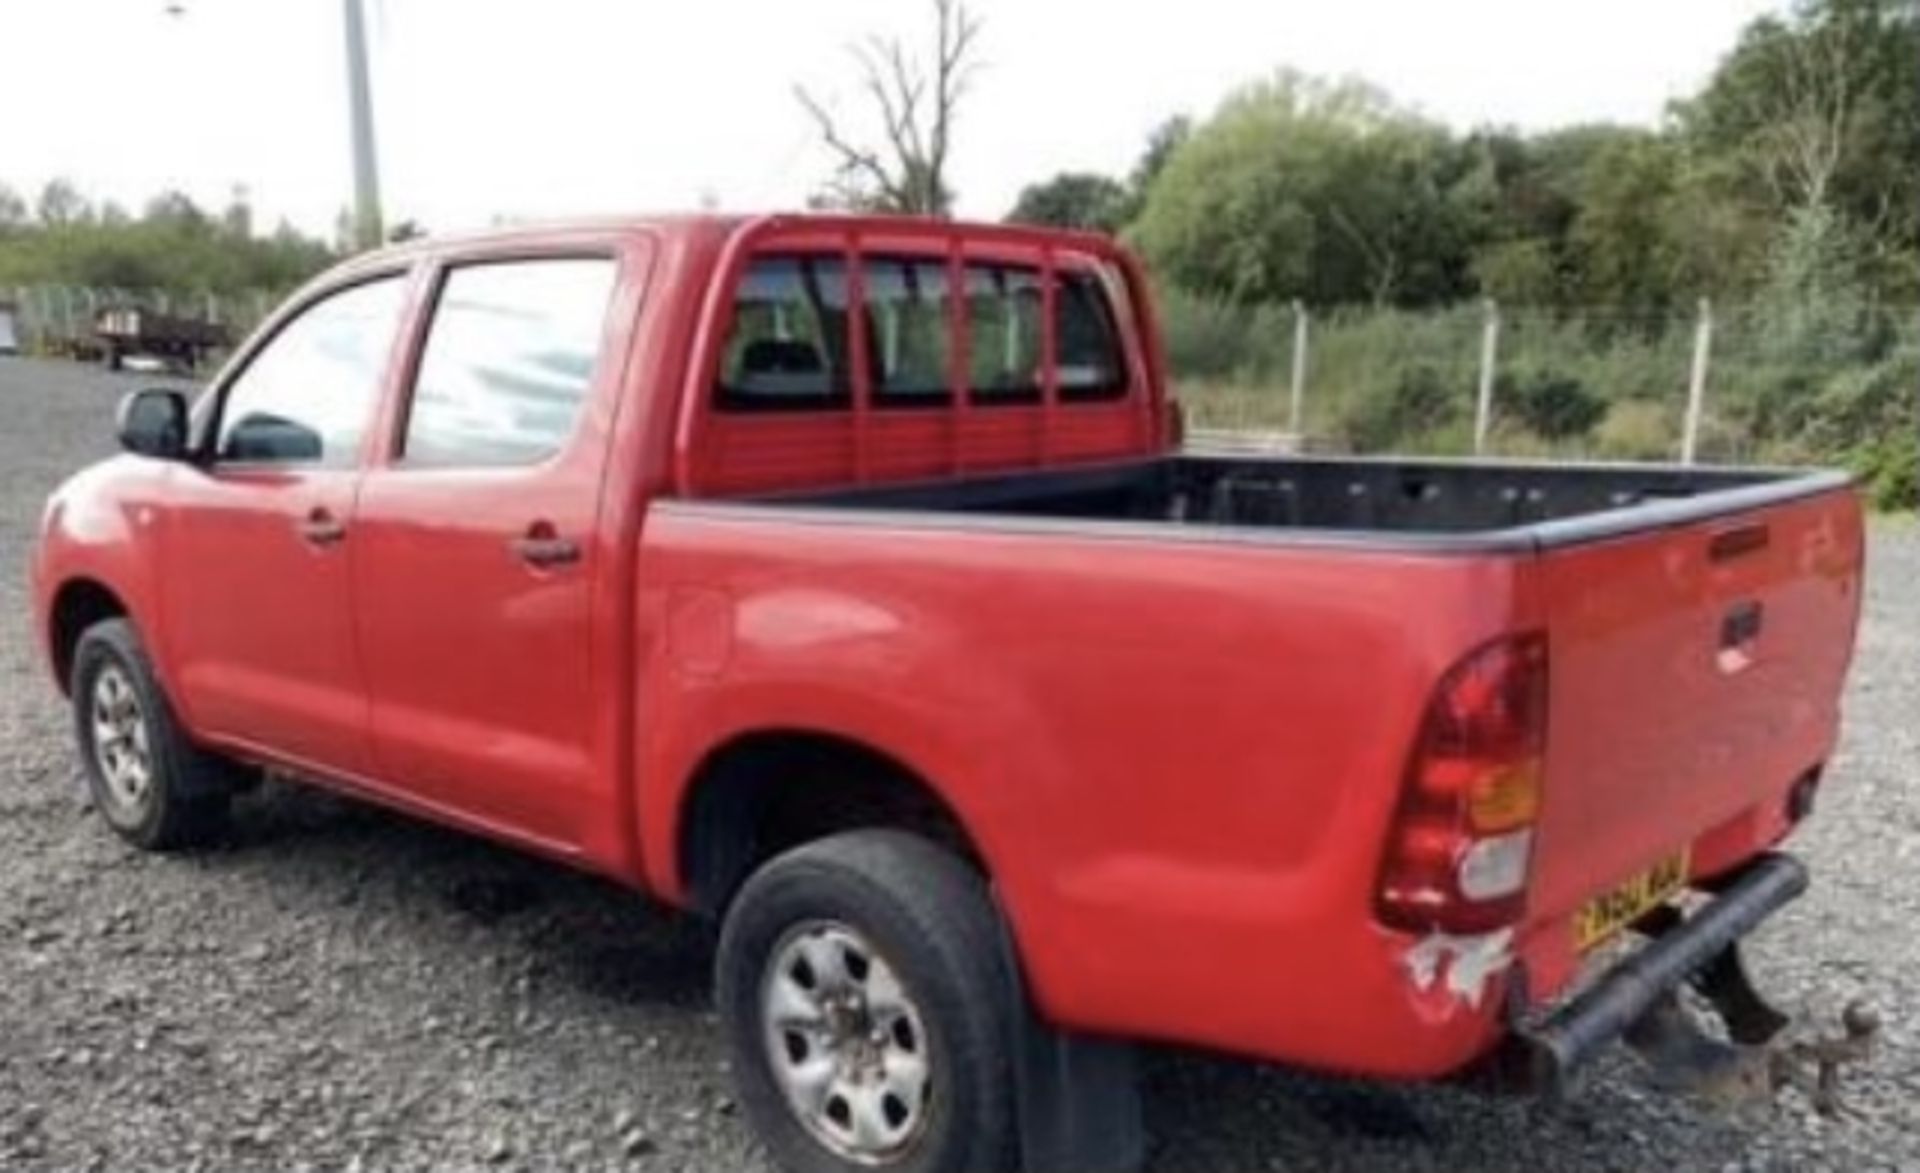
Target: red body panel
(256, 620)
(1179, 758)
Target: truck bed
(1477, 504)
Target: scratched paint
(1463, 966)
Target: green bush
(1889, 471)
(1609, 386)
(1551, 405)
(1638, 429)
(1206, 339)
(1419, 402)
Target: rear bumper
(1546, 1051)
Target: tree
(1075, 200)
(13, 209)
(916, 106)
(61, 204)
(1302, 188)
(1821, 110)
(173, 245)
(1620, 239)
(1164, 140)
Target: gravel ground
(339, 987)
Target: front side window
(308, 396)
(787, 346)
(509, 362)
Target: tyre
(865, 998)
(151, 784)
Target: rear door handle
(322, 528)
(544, 548)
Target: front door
(476, 549)
(260, 538)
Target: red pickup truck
(843, 579)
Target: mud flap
(1077, 1096)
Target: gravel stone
(338, 987)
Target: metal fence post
(1299, 367)
(1489, 358)
(1697, 381)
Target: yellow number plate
(1609, 912)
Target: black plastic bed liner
(1548, 502)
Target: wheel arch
(78, 603)
(763, 791)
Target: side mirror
(154, 423)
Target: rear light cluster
(1462, 840)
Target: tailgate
(1696, 673)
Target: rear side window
(909, 331)
(1003, 333)
(1088, 341)
(509, 362)
(787, 348)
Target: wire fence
(1715, 383)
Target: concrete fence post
(1489, 361)
(1697, 381)
(1299, 383)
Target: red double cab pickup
(844, 579)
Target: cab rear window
(789, 341)
(787, 347)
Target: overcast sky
(518, 108)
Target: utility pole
(367, 231)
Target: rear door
(477, 546)
(1696, 674)
(260, 538)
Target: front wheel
(866, 1002)
(151, 784)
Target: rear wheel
(863, 988)
(151, 784)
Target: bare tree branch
(906, 170)
(1808, 118)
(853, 159)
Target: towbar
(1554, 1047)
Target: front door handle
(542, 546)
(322, 528)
